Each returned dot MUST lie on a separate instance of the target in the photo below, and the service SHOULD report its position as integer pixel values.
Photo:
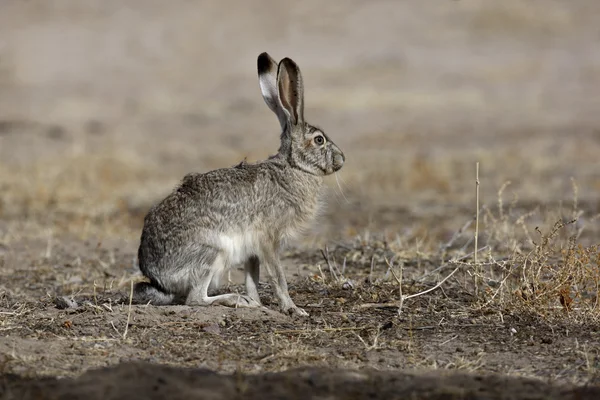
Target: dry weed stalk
(128, 311)
(477, 267)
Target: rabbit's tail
(144, 293)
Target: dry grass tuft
(543, 270)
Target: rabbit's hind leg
(198, 295)
(149, 293)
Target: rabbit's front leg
(279, 283)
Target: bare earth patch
(85, 321)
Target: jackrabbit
(242, 214)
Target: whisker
(340, 186)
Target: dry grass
(542, 269)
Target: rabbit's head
(304, 146)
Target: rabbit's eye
(319, 140)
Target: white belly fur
(238, 247)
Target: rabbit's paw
(295, 310)
(235, 300)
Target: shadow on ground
(142, 380)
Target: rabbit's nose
(338, 160)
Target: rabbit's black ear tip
(289, 63)
(264, 63)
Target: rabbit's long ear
(267, 78)
(291, 90)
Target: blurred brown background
(104, 105)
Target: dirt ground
(104, 106)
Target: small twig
(476, 224)
(95, 298)
(87, 339)
(128, 311)
(396, 277)
(20, 311)
(449, 340)
(321, 272)
(170, 323)
(375, 340)
(341, 329)
(449, 263)
(403, 297)
(456, 235)
(115, 328)
(393, 304)
(420, 328)
(325, 255)
(8, 328)
(433, 288)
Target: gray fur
(242, 214)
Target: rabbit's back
(230, 209)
